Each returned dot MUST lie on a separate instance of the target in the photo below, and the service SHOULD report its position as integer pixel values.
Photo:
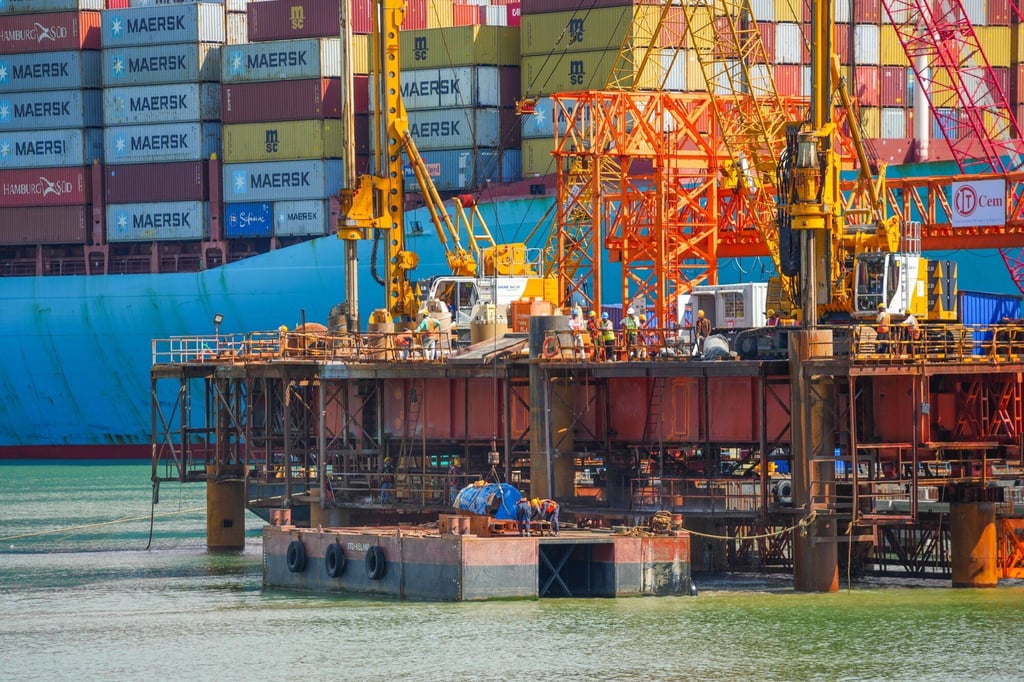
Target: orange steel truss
(638, 179)
(1010, 548)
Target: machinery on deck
(376, 204)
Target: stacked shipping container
(162, 116)
(50, 118)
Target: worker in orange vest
(882, 322)
(546, 510)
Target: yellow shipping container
(433, 48)
(556, 33)
(542, 75)
(942, 93)
(537, 159)
(997, 43)
(440, 14)
(282, 141)
(890, 50)
(788, 11)
(871, 121)
(360, 53)
(695, 81)
(1017, 43)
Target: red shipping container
(998, 13)
(362, 164)
(865, 85)
(545, 6)
(288, 100)
(767, 31)
(673, 30)
(867, 12)
(510, 86)
(466, 15)
(511, 129)
(21, 33)
(362, 16)
(117, 4)
(286, 19)
(415, 15)
(892, 86)
(1016, 94)
(362, 123)
(1002, 80)
(788, 80)
(843, 44)
(515, 12)
(45, 187)
(45, 224)
(145, 182)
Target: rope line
(98, 525)
(801, 524)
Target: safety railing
(710, 495)
(372, 347)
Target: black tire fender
(334, 560)
(296, 556)
(375, 563)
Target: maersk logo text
(158, 103)
(150, 143)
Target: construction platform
(413, 563)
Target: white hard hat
(630, 311)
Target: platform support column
(973, 544)
(815, 548)
(225, 507)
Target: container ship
(173, 169)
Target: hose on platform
(802, 524)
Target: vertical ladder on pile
(407, 461)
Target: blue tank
(497, 500)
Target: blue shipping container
(51, 109)
(174, 103)
(979, 308)
(248, 220)
(164, 221)
(50, 71)
(300, 218)
(456, 127)
(180, 23)
(34, 6)
(281, 180)
(282, 60)
(51, 148)
(458, 86)
(178, 63)
(161, 142)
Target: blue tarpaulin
(493, 499)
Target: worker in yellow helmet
(547, 510)
(454, 479)
(703, 330)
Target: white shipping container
(976, 11)
(51, 148)
(173, 103)
(673, 65)
(866, 44)
(788, 42)
(160, 221)
(308, 217)
(178, 23)
(763, 10)
(730, 306)
(843, 12)
(894, 123)
(161, 142)
(281, 180)
(65, 70)
(237, 28)
(282, 60)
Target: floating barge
(411, 563)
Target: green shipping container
(543, 75)
(431, 48)
(554, 33)
(282, 141)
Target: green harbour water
(82, 598)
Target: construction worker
(644, 339)
(524, 512)
(773, 318)
(547, 510)
(594, 328)
(882, 322)
(608, 337)
(703, 330)
(428, 330)
(403, 342)
(576, 327)
(630, 327)
(387, 481)
(911, 332)
(454, 484)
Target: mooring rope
(801, 524)
(97, 525)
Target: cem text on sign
(979, 203)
